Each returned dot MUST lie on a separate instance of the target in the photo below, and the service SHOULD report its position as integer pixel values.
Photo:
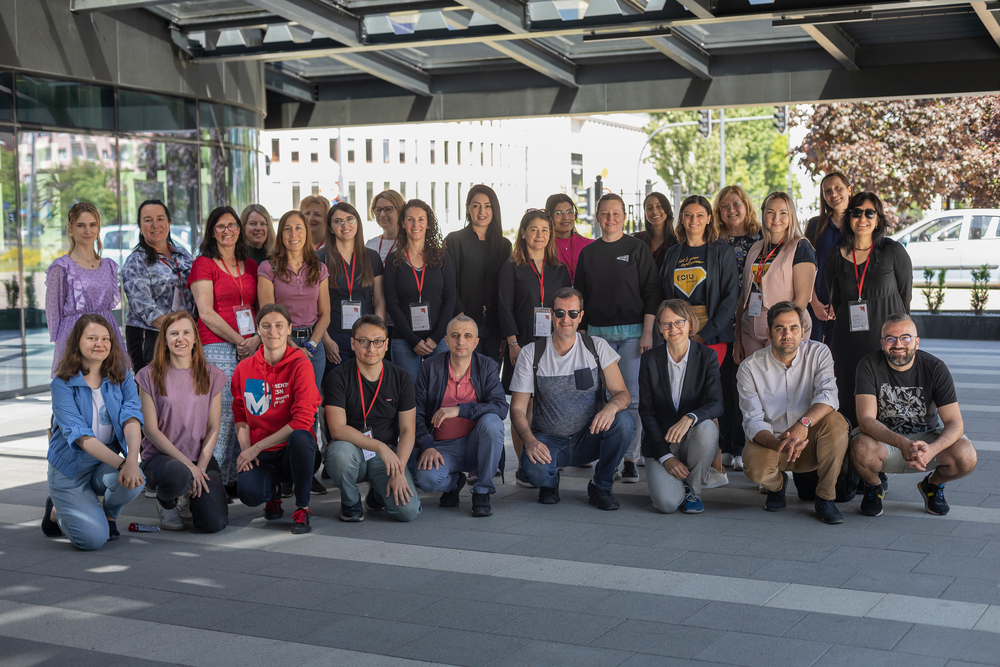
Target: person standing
(659, 227)
(562, 212)
(259, 230)
(314, 209)
(824, 232)
(386, 208)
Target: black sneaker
(373, 501)
(272, 510)
(884, 480)
(286, 489)
(776, 499)
(828, 512)
(352, 513)
(317, 488)
(521, 480)
(450, 498)
(933, 494)
(548, 495)
(49, 527)
(300, 521)
(113, 533)
(605, 500)
(481, 504)
(629, 473)
(871, 503)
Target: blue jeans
(297, 461)
(629, 365)
(75, 499)
(607, 448)
(479, 451)
(404, 356)
(347, 467)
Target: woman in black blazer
(680, 394)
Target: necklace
(857, 248)
(90, 263)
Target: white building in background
(524, 160)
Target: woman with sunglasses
(659, 228)
(562, 213)
(870, 278)
(824, 233)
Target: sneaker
(113, 533)
(884, 480)
(472, 477)
(300, 521)
(933, 494)
(692, 503)
(521, 480)
(150, 491)
(605, 500)
(714, 479)
(727, 460)
(272, 510)
(317, 488)
(49, 527)
(373, 501)
(776, 499)
(450, 498)
(481, 504)
(170, 519)
(641, 461)
(629, 474)
(325, 474)
(548, 495)
(286, 489)
(828, 512)
(352, 513)
(184, 507)
(871, 503)
(738, 463)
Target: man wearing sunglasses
(909, 420)
(574, 422)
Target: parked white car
(128, 238)
(959, 240)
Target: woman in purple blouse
(80, 281)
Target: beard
(902, 358)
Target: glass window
(482, 154)
(446, 152)
(14, 364)
(161, 114)
(385, 185)
(350, 151)
(402, 189)
(385, 151)
(402, 151)
(352, 194)
(275, 150)
(295, 156)
(333, 150)
(433, 192)
(370, 193)
(296, 195)
(314, 188)
(314, 157)
(458, 155)
(368, 151)
(242, 178)
(6, 96)
(210, 121)
(212, 178)
(65, 103)
(980, 225)
(432, 154)
(241, 126)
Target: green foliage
(980, 288)
(29, 290)
(934, 293)
(13, 290)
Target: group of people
(704, 344)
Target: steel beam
(539, 59)
(687, 55)
(989, 19)
(340, 26)
(703, 9)
(389, 69)
(79, 6)
(508, 14)
(834, 41)
(289, 85)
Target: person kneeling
(460, 411)
(909, 420)
(788, 395)
(182, 407)
(274, 404)
(371, 412)
(96, 433)
(680, 394)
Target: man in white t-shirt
(572, 423)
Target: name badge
(244, 320)
(368, 454)
(350, 312)
(859, 315)
(754, 304)
(420, 316)
(178, 302)
(543, 322)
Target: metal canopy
(388, 61)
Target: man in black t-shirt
(909, 420)
(371, 411)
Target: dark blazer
(701, 394)
(432, 380)
(722, 289)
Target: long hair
(794, 232)
(394, 198)
(555, 200)
(433, 245)
(520, 252)
(113, 367)
(334, 260)
(309, 200)
(711, 229)
(161, 356)
(210, 247)
(825, 210)
(847, 239)
(75, 211)
(279, 260)
(752, 224)
(151, 254)
(259, 209)
(669, 238)
(497, 250)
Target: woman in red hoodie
(274, 403)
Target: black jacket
(722, 289)
(701, 394)
(477, 268)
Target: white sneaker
(170, 519)
(641, 461)
(738, 463)
(714, 479)
(727, 460)
(184, 507)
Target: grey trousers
(696, 451)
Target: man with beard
(909, 419)
(788, 395)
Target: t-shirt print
(690, 273)
(904, 409)
(103, 417)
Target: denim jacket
(73, 410)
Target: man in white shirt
(788, 395)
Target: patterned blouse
(742, 245)
(150, 289)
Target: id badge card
(420, 316)
(369, 455)
(543, 322)
(754, 304)
(350, 312)
(244, 320)
(178, 302)
(859, 315)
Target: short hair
(274, 308)
(711, 229)
(373, 320)
(781, 308)
(463, 318)
(609, 197)
(682, 308)
(568, 293)
(310, 200)
(898, 318)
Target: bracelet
(122, 465)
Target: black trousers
(731, 422)
(140, 344)
(172, 479)
(298, 461)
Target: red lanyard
(760, 266)
(177, 269)
(349, 278)
(418, 279)
(541, 283)
(237, 278)
(361, 390)
(860, 281)
(380, 246)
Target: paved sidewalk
(531, 585)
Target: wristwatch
(805, 421)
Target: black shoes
(286, 489)
(776, 499)
(113, 533)
(300, 521)
(871, 503)
(49, 527)
(317, 488)
(933, 495)
(481, 504)
(828, 512)
(548, 495)
(605, 500)
(884, 481)
(373, 501)
(450, 498)
(272, 510)
(352, 513)
(630, 475)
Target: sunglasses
(560, 313)
(867, 212)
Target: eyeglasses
(563, 211)
(560, 313)
(364, 342)
(867, 212)
(231, 227)
(905, 339)
(340, 222)
(676, 324)
(384, 210)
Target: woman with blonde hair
(386, 207)
(314, 209)
(259, 230)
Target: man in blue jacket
(460, 411)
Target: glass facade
(62, 142)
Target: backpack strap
(539, 351)
(588, 342)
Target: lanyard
(380, 246)
(861, 280)
(349, 278)
(177, 268)
(418, 279)
(361, 390)
(237, 278)
(541, 283)
(761, 263)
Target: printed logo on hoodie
(257, 395)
